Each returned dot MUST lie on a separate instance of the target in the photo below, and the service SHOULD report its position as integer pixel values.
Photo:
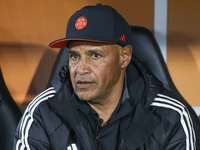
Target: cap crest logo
(81, 23)
(123, 38)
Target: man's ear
(126, 53)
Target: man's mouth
(84, 84)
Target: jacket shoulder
(175, 119)
(30, 127)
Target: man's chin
(85, 93)
(84, 97)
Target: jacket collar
(143, 120)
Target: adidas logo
(123, 38)
(72, 147)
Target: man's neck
(105, 108)
(107, 105)
(105, 111)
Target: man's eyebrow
(95, 51)
(72, 52)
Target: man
(103, 98)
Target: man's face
(95, 69)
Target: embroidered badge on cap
(81, 23)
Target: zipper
(98, 133)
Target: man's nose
(83, 66)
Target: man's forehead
(81, 42)
(92, 45)
(81, 49)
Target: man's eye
(96, 56)
(74, 56)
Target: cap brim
(61, 43)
